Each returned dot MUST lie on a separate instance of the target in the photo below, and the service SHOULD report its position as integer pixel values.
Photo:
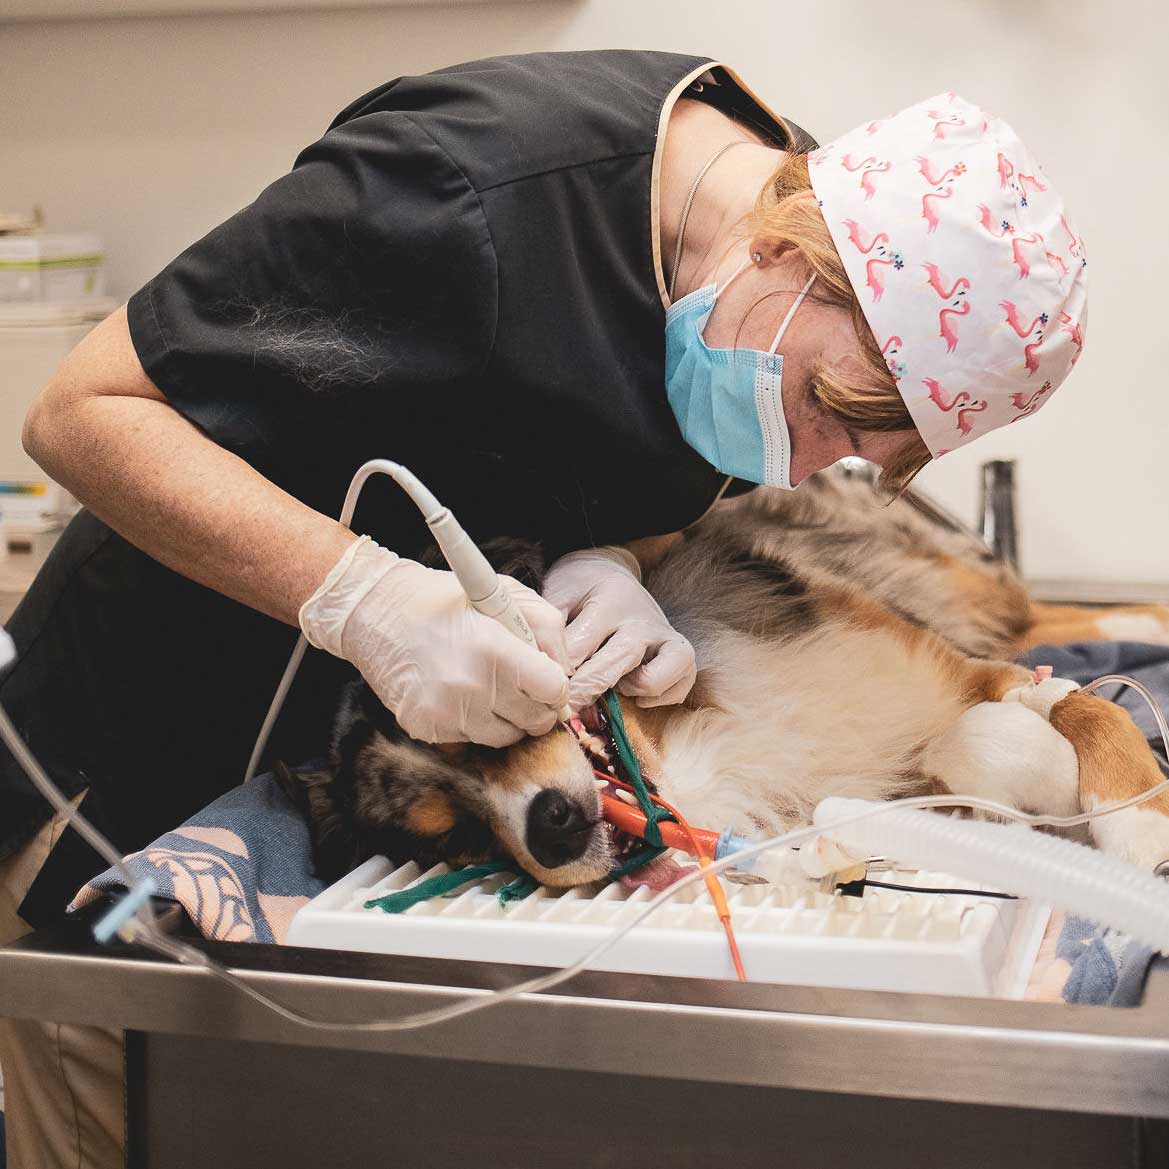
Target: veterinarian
(582, 296)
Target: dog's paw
(1139, 835)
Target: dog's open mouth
(595, 739)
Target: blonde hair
(863, 394)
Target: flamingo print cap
(961, 255)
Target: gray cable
(685, 217)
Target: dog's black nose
(558, 830)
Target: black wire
(919, 889)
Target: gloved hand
(617, 635)
(448, 673)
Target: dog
(846, 645)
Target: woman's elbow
(60, 426)
(42, 424)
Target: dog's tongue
(590, 716)
(659, 874)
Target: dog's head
(381, 792)
(536, 802)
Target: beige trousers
(63, 1089)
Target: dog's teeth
(601, 784)
(628, 797)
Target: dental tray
(885, 940)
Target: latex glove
(448, 673)
(617, 635)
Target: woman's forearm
(104, 431)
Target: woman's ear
(766, 253)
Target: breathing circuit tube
(1117, 893)
(1057, 872)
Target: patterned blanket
(241, 867)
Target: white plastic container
(51, 268)
(33, 340)
(887, 940)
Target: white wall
(152, 130)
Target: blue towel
(241, 867)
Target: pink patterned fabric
(960, 252)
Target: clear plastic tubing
(1056, 872)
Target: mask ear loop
(732, 277)
(791, 312)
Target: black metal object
(998, 523)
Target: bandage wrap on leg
(1041, 696)
(1007, 752)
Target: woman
(470, 272)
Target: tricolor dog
(845, 645)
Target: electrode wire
(714, 888)
(36, 773)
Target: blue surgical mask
(728, 402)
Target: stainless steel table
(610, 1070)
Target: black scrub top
(459, 275)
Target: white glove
(448, 673)
(616, 633)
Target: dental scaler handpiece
(479, 581)
(482, 584)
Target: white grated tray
(885, 940)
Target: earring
(757, 257)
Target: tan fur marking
(432, 815)
(989, 681)
(650, 550)
(644, 726)
(996, 601)
(1115, 760)
(971, 679)
(533, 761)
(857, 611)
(1062, 624)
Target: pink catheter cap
(960, 252)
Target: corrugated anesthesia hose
(1056, 872)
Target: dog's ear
(315, 795)
(521, 559)
(291, 786)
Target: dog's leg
(1062, 624)
(1004, 752)
(1115, 763)
(1050, 748)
